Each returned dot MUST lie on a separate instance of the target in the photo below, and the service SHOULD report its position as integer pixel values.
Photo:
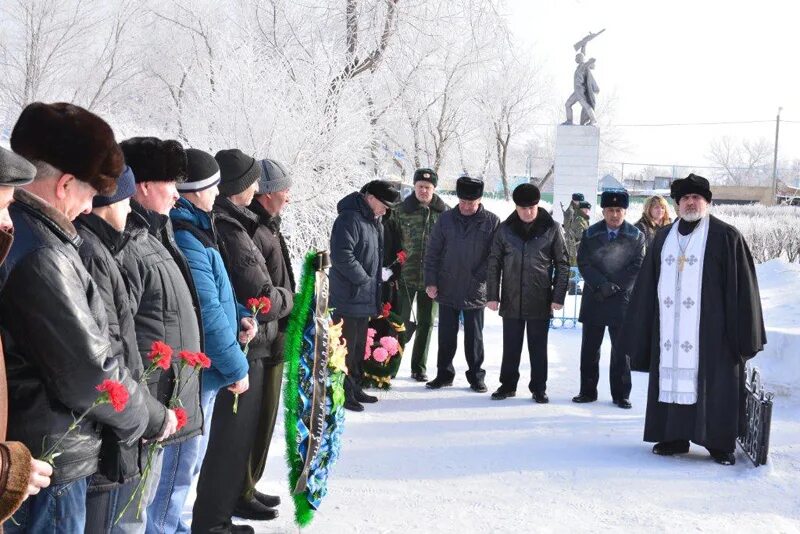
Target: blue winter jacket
(194, 234)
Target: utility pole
(775, 159)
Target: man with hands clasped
(610, 255)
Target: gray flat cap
(14, 169)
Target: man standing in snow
(609, 257)
(416, 216)
(356, 275)
(526, 281)
(455, 275)
(694, 319)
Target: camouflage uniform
(415, 222)
(573, 231)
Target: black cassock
(731, 332)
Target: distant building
(609, 183)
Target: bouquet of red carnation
(383, 351)
(255, 305)
(161, 353)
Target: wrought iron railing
(754, 440)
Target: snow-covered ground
(456, 461)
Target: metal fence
(567, 317)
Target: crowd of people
(133, 264)
(679, 300)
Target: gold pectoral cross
(681, 263)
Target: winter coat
(272, 245)
(649, 231)
(15, 458)
(249, 274)
(356, 259)
(55, 333)
(163, 303)
(457, 257)
(101, 252)
(196, 237)
(532, 265)
(416, 222)
(603, 263)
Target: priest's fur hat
(692, 184)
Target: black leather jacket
(55, 332)
(164, 308)
(532, 264)
(101, 252)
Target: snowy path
(456, 461)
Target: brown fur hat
(71, 139)
(155, 160)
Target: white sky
(677, 61)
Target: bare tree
(50, 36)
(745, 162)
(509, 100)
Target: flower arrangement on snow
(383, 351)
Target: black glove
(609, 289)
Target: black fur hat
(71, 139)
(526, 195)
(692, 184)
(614, 199)
(155, 160)
(469, 188)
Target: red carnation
(113, 392)
(189, 357)
(252, 304)
(402, 257)
(160, 354)
(264, 305)
(202, 360)
(387, 307)
(180, 413)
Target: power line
(657, 125)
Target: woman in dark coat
(655, 215)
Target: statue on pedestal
(584, 85)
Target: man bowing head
(694, 320)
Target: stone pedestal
(576, 166)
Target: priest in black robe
(731, 329)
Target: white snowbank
(779, 283)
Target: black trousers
(354, 332)
(273, 377)
(619, 373)
(230, 444)
(448, 343)
(513, 332)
